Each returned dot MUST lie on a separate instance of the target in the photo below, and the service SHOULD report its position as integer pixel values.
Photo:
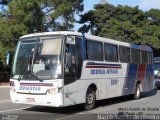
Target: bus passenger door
(70, 61)
(72, 71)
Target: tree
(28, 16)
(123, 23)
(28, 13)
(62, 13)
(22, 17)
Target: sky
(144, 5)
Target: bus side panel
(74, 93)
(130, 79)
(108, 85)
(148, 82)
(141, 74)
(109, 80)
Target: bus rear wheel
(137, 93)
(90, 99)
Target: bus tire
(137, 93)
(90, 99)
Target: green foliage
(23, 16)
(63, 13)
(27, 16)
(3, 52)
(123, 23)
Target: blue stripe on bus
(130, 79)
(141, 47)
(135, 46)
(148, 77)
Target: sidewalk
(4, 84)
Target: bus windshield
(38, 58)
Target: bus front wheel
(137, 93)
(90, 99)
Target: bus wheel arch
(138, 90)
(90, 97)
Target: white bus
(67, 68)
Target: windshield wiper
(22, 73)
(20, 77)
(31, 73)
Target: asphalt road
(148, 105)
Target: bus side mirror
(7, 59)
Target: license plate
(30, 100)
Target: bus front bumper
(54, 100)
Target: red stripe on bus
(141, 72)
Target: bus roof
(92, 37)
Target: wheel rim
(90, 98)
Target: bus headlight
(54, 91)
(13, 90)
